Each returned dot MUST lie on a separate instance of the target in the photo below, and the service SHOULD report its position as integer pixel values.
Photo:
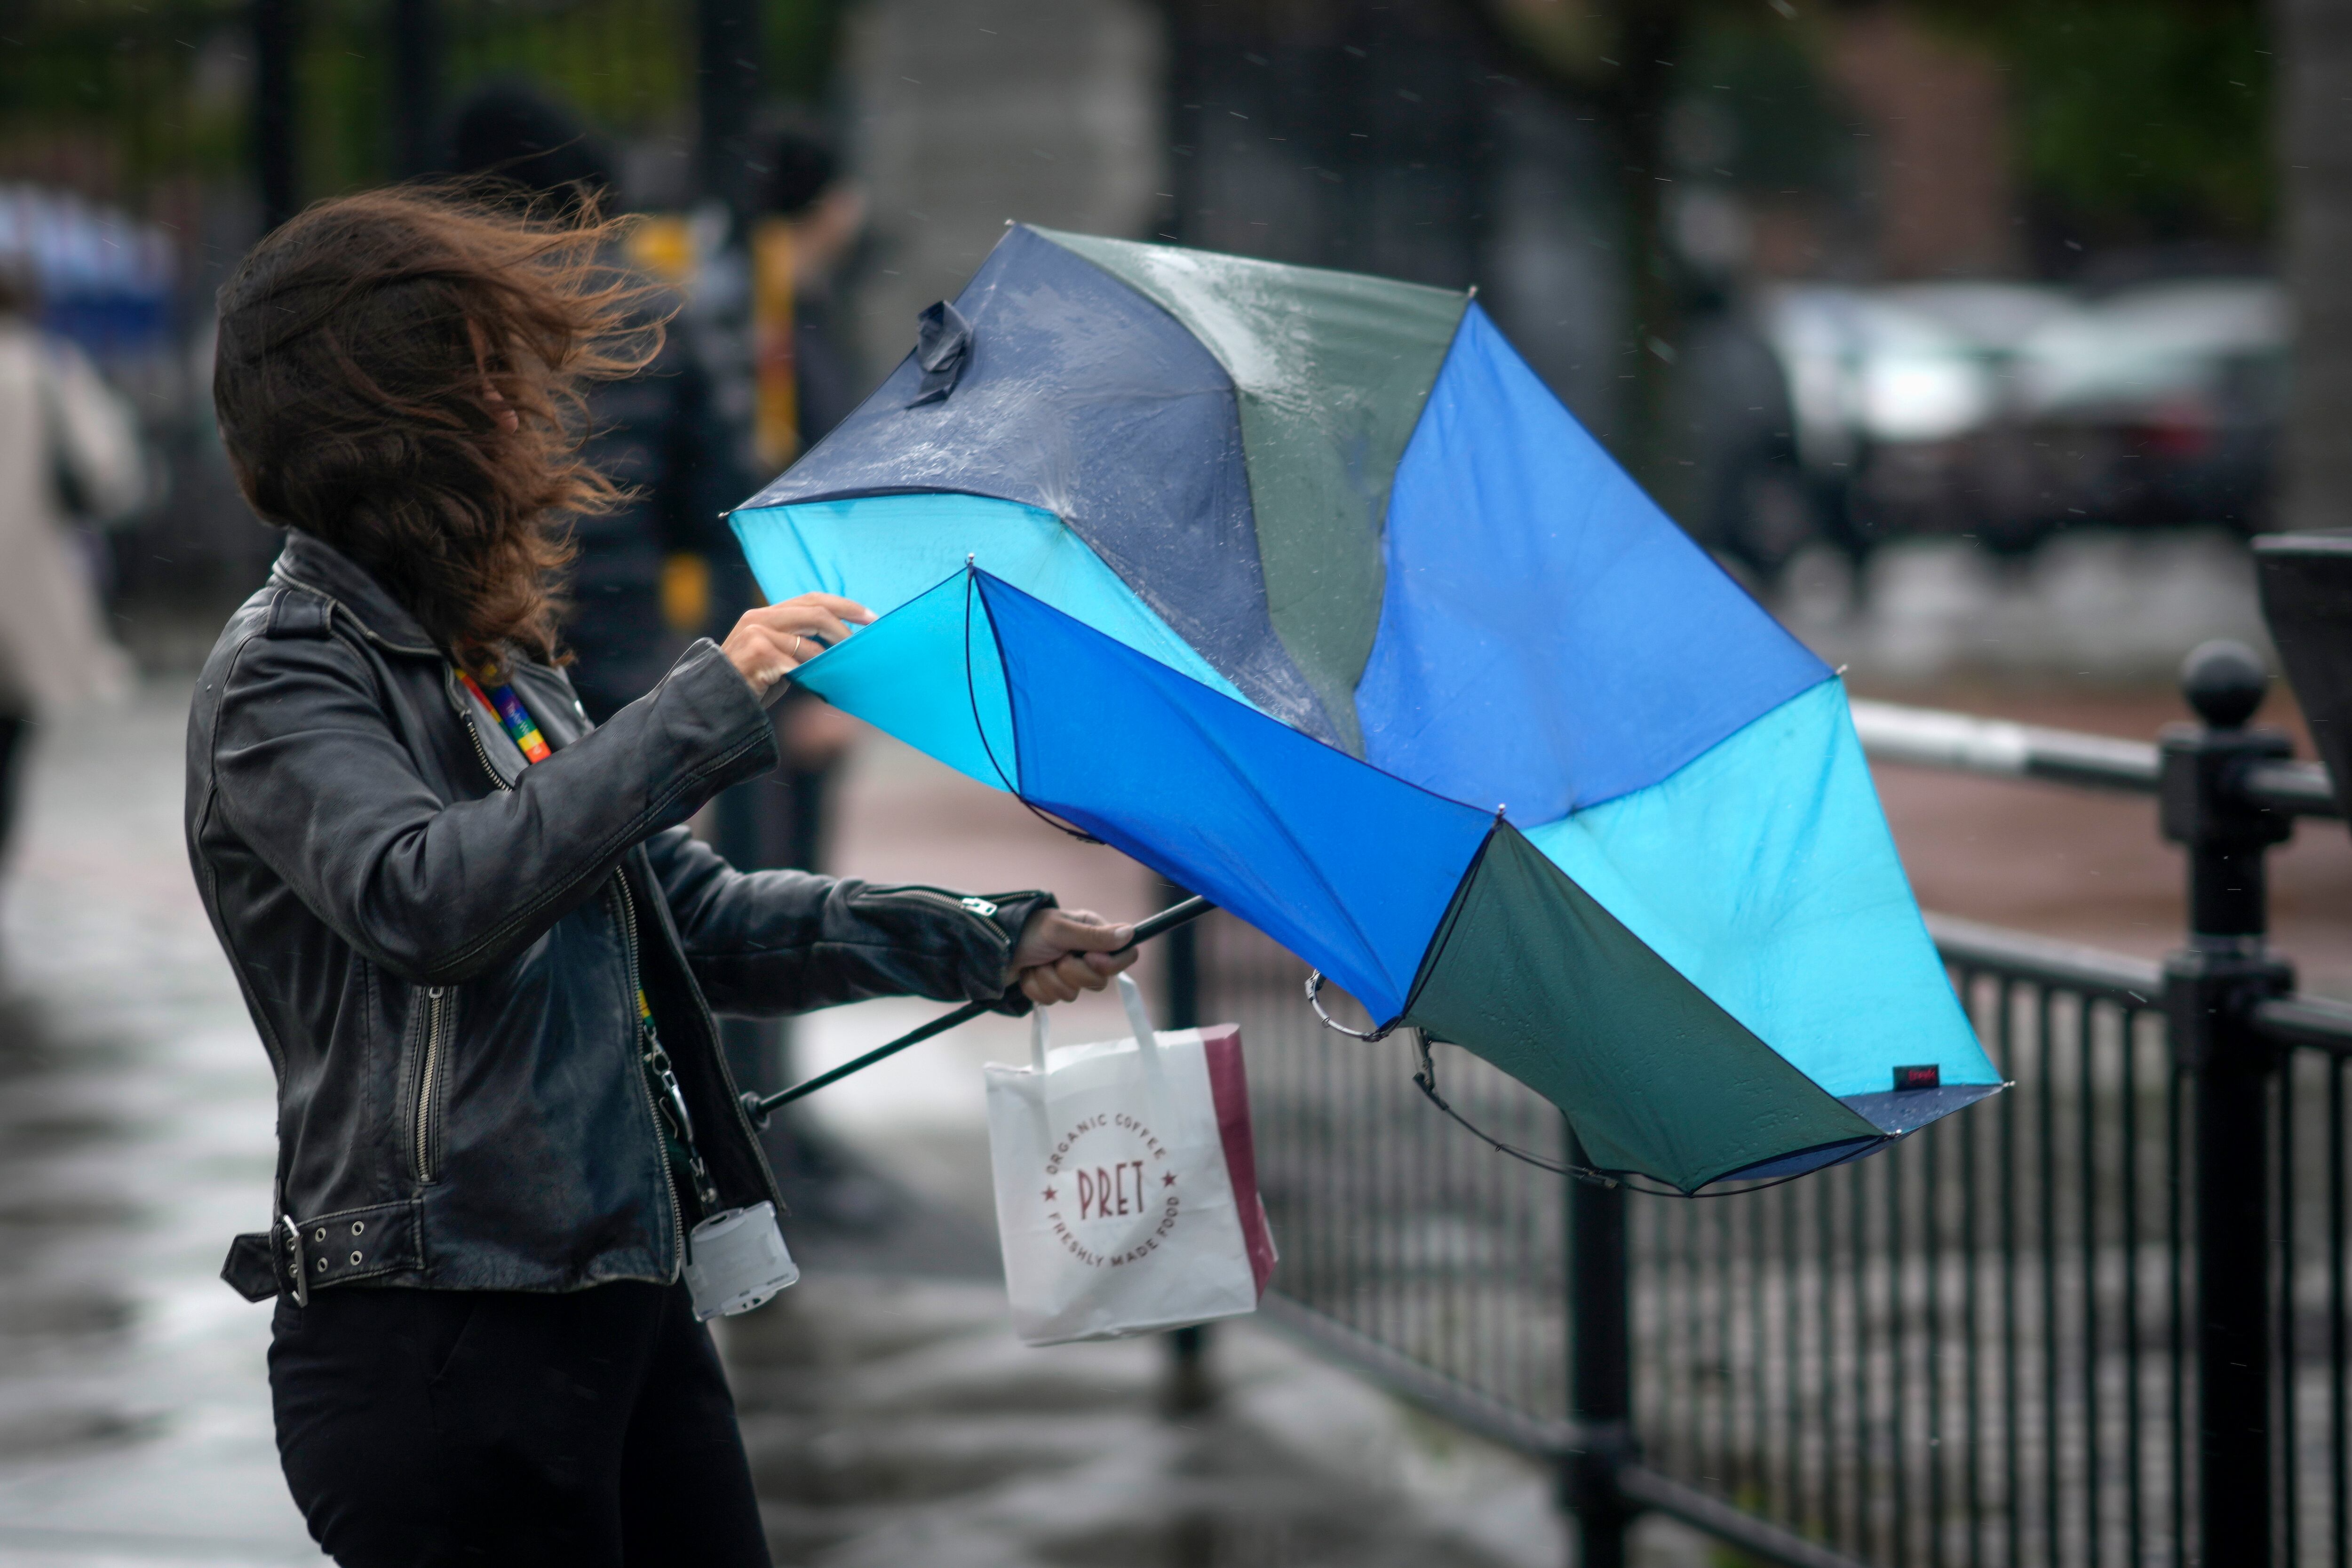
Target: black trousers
(445, 1426)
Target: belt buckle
(294, 1250)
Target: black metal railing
(1950, 1353)
(1425, 1256)
(2099, 1320)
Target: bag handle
(1147, 1042)
(1130, 996)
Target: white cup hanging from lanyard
(736, 1260)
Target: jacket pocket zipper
(953, 904)
(436, 1012)
(466, 716)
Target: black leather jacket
(441, 946)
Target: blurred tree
(2315, 172)
(2135, 122)
(2129, 123)
(122, 98)
(111, 97)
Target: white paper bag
(1126, 1186)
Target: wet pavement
(894, 1422)
(135, 1137)
(2097, 604)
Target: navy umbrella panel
(1087, 402)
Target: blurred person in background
(682, 439)
(70, 458)
(809, 221)
(658, 435)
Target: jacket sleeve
(310, 774)
(788, 941)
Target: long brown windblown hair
(358, 345)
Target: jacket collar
(306, 562)
(321, 569)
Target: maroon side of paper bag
(1229, 1088)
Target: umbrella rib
(971, 692)
(1425, 1080)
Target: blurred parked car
(1999, 412)
(2158, 404)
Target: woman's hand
(1063, 952)
(774, 639)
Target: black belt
(301, 1256)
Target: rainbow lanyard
(502, 701)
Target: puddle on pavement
(891, 1425)
(1229, 1540)
(61, 1321)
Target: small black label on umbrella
(1928, 1076)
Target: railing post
(417, 87)
(276, 40)
(1600, 1368)
(727, 45)
(2210, 987)
(1189, 1387)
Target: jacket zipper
(435, 1011)
(962, 906)
(449, 684)
(436, 997)
(653, 1112)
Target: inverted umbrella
(1300, 588)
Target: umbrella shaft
(1166, 920)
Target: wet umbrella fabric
(1300, 588)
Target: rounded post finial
(2225, 681)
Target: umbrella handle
(758, 1110)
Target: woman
(478, 944)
